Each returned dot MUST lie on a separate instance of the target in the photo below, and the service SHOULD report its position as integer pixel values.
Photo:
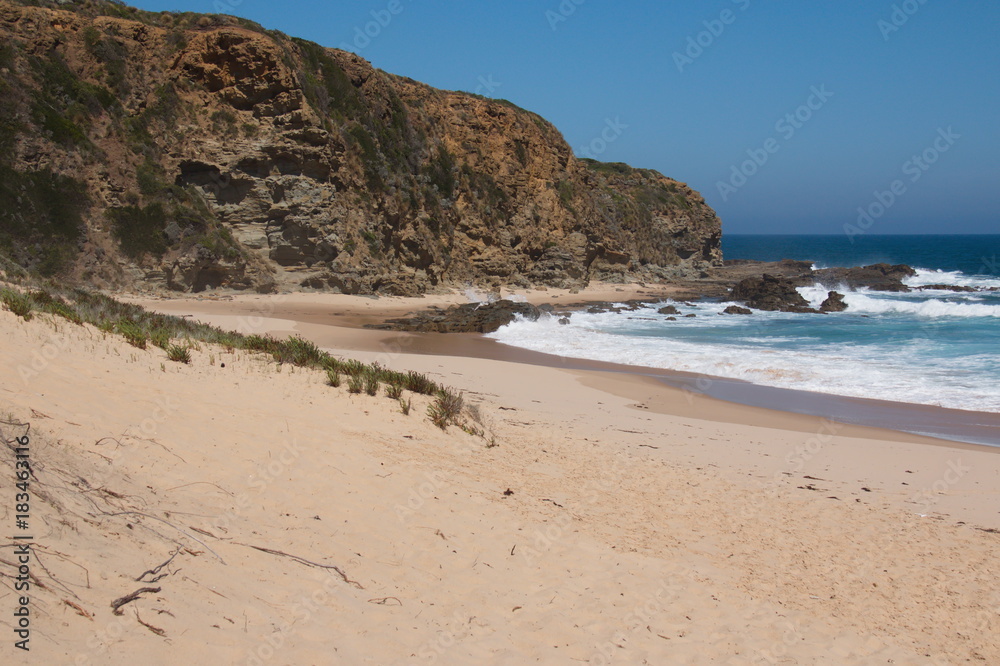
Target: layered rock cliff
(193, 152)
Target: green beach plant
(178, 353)
(160, 338)
(132, 332)
(446, 407)
(16, 302)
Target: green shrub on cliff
(325, 84)
(139, 230)
(41, 217)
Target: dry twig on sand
(155, 630)
(121, 601)
(306, 562)
(156, 570)
(146, 515)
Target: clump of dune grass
(333, 378)
(419, 383)
(371, 383)
(405, 406)
(298, 351)
(65, 311)
(178, 353)
(356, 384)
(160, 338)
(16, 302)
(132, 332)
(259, 343)
(393, 391)
(354, 368)
(446, 407)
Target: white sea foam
(952, 278)
(922, 304)
(742, 347)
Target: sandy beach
(617, 520)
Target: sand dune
(600, 530)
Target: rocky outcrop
(879, 277)
(467, 318)
(210, 152)
(947, 287)
(834, 303)
(769, 292)
(737, 310)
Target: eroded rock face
(316, 169)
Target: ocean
(934, 347)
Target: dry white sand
(627, 535)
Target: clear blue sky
(893, 88)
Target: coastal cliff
(189, 152)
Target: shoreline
(336, 321)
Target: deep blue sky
(892, 92)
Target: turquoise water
(936, 347)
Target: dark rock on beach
(669, 310)
(737, 310)
(468, 318)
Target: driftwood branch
(79, 609)
(385, 600)
(156, 570)
(155, 630)
(309, 563)
(121, 601)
